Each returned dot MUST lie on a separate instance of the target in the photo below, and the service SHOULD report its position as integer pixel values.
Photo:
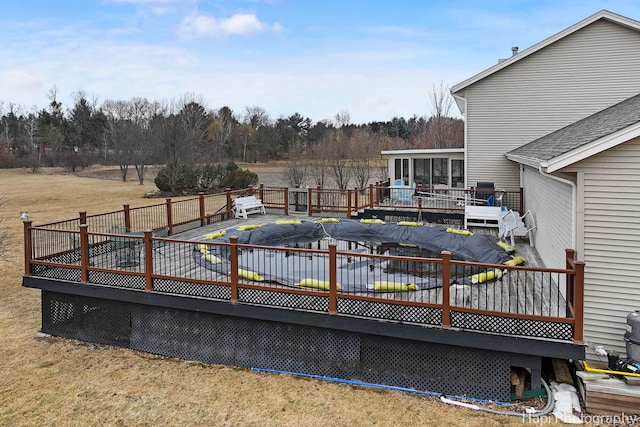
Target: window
(422, 172)
(440, 171)
(401, 171)
(457, 173)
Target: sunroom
(427, 167)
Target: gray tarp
(290, 268)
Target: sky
(370, 59)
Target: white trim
(422, 151)
(593, 148)
(603, 14)
(461, 101)
(582, 152)
(527, 161)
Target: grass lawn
(52, 381)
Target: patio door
(422, 172)
(401, 172)
(441, 171)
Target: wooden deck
(174, 258)
(517, 303)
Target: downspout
(574, 202)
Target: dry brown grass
(52, 381)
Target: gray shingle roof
(582, 132)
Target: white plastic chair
(513, 225)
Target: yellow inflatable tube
(372, 221)
(460, 232)
(248, 227)
(215, 235)
(410, 224)
(251, 275)
(322, 220)
(212, 258)
(486, 276)
(316, 284)
(515, 261)
(288, 221)
(383, 285)
(506, 247)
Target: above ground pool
(354, 239)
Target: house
(426, 167)
(561, 120)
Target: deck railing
(121, 249)
(204, 209)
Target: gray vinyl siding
(550, 203)
(568, 80)
(611, 242)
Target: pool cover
(356, 273)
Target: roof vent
(514, 51)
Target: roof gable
(603, 14)
(584, 138)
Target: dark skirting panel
(278, 345)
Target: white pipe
(574, 203)
(457, 403)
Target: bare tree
(31, 126)
(220, 131)
(339, 160)
(255, 118)
(318, 158)
(342, 118)
(194, 120)
(362, 152)
(120, 133)
(142, 112)
(296, 169)
(440, 125)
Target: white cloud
(240, 24)
(19, 83)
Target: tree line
(182, 134)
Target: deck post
(148, 260)
(309, 201)
(261, 192)
(349, 203)
(127, 216)
(233, 259)
(333, 279)
(28, 247)
(570, 279)
(84, 253)
(229, 202)
(446, 280)
(202, 210)
(371, 201)
(356, 201)
(521, 200)
(318, 197)
(83, 217)
(286, 201)
(169, 215)
(578, 303)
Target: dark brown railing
(124, 248)
(523, 294)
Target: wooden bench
(481, 216)
(243, 206)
